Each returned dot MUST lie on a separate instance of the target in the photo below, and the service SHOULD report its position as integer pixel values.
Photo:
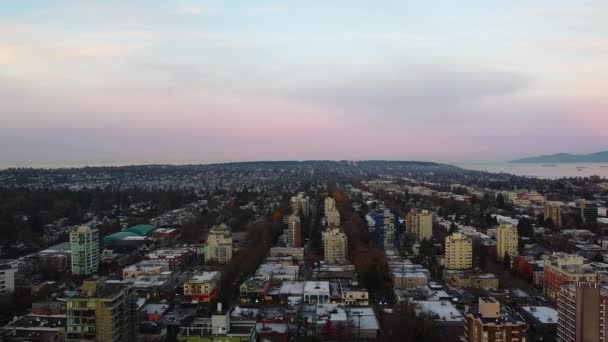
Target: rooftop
(543, 314)
(439, 310)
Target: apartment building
(84, 245)
(458, 252)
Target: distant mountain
(598, 157)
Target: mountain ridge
(597, 157)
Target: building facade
(561, 269)
(553, 211)
(582, 313)
(102, 313)
(332, 218)
(202, 287)
(424, 225)
(300, 205)
(506, 241)
(219, 244)
(335, 245)
(84, 243)
(458, 252)
(293, 232)
(386, 230)
(490, 322)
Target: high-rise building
(329, 204)
(293, 231)
(386, 230)
(300, 205)
(506, 241)
(581, 309)
(411, 222)
(219, 244)
(588, 210)
(335, 244)
(332, 218)
(102, 312)
(458, 252)
(490, 322)
(424, 225)
(84, 243)
(561, 269)
(553, 211)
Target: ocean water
(551, 171)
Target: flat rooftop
(543, 314)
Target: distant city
(300, 251)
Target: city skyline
(214, 81)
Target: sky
(121, 82)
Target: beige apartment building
(335, 245)
(424, 225)
(458, 252)
(506, 241)
(553, 211)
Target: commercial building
(102, 312)
(582, 313)
(588, 210)
(561, 269)
(491, 322)
(202, 287)
(144, 268)
(219, 244)
(407, 279)
(335, 246)
(506, 241)
(553, 211)
(293, 232)
(458, 252)
(386, 230)
(458, 279)
(424, 225)
(84, 243)
(316, 292)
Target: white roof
(292, 287)
(205, 276)
(316, 286)
(444, 309)
(544, 314)
(365, 316)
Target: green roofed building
(118, 236)
(141, 229)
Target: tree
(524, 227)
(549, 223)
(506, 262)
(500, 201)
(453, 228)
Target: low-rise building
(202, 287)
(316, 292)
(492, 322)
(470, 278)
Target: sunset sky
(209, 81)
